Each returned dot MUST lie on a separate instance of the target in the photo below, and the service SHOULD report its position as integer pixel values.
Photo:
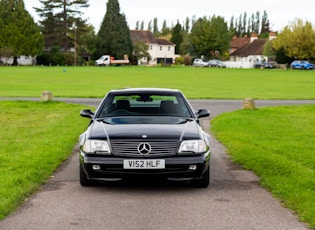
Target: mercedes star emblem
(144, 148)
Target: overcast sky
(280, 13)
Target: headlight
(96, 146)
(193, 146)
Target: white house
(251, 51)
(21, 60)
(160, 50)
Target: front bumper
(177, 168)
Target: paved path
(234, 199)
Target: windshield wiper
(103, 120)
(185, 120)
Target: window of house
(169, 48)
(151, 47)
(160, 47)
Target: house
(250, 52)
(160, 50)
(237, 43)
(21, 60)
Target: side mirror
(87, 113)
(203, 113)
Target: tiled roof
(142, 36)
(254, 48)
(165, 42)
(239, 42)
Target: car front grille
(129, 148)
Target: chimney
(253, 37)
(272, 35)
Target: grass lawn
(277, 143)
(210, 83)
(35, 139)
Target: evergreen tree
(265, 24)
(113, 37)
(187, 25)
(165, 29)
(156, 31)
(57, 21)
(177, 36)
(244, 24)
(231, 27)
(19, 33)
(150, 26)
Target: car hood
(188, 130)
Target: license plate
(144, 164)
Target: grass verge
(35, 139)
(277, 143)
(208, 83)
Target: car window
(133, 105)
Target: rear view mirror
(87, 113)
(203, 113)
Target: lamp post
(75, 43)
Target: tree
(149, 26)
(297, 40)
(141, 51)
(113, 37)
(165, 29)
(187, 25)
(19, 33)
(177, 36)
(210, 36)
(58, 17)
(268, 50)
(231, 27)
(265, 24)
(156, 31)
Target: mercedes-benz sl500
(144, 132)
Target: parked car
(216, 63)
(263, 65)
(144, 132)
(301, 64)
(198, 62)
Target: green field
(209, 83)
(277, 143)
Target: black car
(144, 132)
(263, 65)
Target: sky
(280, 13)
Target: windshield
(143, 105)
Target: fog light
(96, 167)
(192, 167)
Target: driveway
(234, 199)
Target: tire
(84, 181)
(203, 181)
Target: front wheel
(203, 181)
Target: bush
(179, 60)
(58, 58)
(187, 60)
